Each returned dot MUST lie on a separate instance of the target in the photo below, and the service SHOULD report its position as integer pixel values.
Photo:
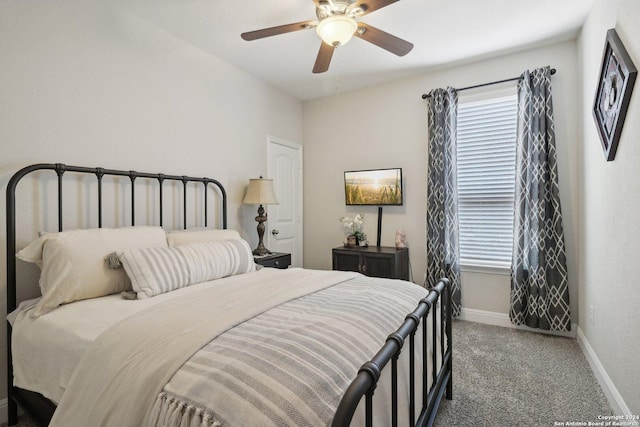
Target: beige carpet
(507, 377)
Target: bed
(158, 334)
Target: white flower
(352, 226)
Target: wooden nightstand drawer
(274, 260)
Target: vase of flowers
(353, 230)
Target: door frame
(273, 140)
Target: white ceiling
(443, 32)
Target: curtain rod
(426, 95)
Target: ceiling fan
(336, 24)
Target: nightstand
(374, 261)
(274, 260)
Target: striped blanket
(291, 365)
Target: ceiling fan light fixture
(336, 30)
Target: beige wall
(385, 126)
(88, 85)
(609, 213)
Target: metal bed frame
(365, 382)
(40, 409)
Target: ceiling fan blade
(324, 58)
(274, 31)
(383, 39)
(368, 6)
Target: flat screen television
(374, 187)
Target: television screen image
(378, 187)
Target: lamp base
(261, 218)
(261, 251)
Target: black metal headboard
(60, 169)
(40, 407)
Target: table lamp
(260, 192)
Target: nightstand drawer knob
(275, 232)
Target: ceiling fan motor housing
(337, 7)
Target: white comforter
(99, 366)
(123, 371)
(46, 350)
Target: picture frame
(615, 85)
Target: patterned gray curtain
(443, 252)
(539, 289)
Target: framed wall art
(615, 84)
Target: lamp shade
(260, 192)
(336, 30)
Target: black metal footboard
(365, 382)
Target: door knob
(275, 232)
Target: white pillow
(199, 235)
(154, 271)
(73, 262)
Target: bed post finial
(99, 174)
(185, 181)
(61, 168)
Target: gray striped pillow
(154, 271)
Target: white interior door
(284, 227)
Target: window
(486, 180)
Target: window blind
(486, 180)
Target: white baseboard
(608, 387)
(502, 319)
(487, 317)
